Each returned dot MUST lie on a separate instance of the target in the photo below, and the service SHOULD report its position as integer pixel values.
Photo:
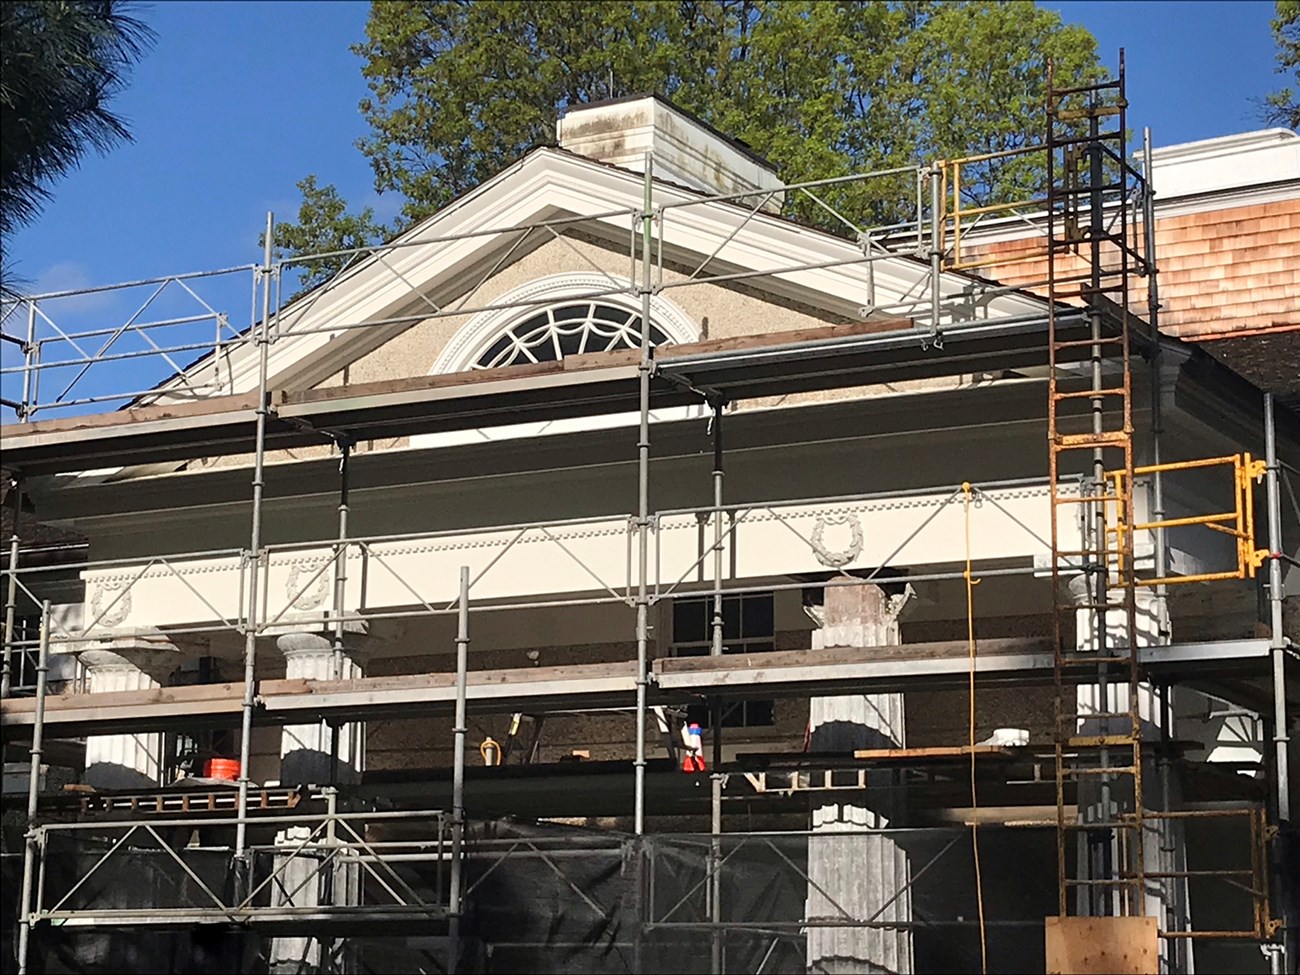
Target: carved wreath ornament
(116, 607)
(838, 558)
(314, 594)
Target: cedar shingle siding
(1221, 271)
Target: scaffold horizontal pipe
(118, 357)
(450, 238)
(1005, 484)
(277, 547)
(1179, 522)
(1198, 577)
(1185, 465)
(794, 926)
(792, 269)
(133, 326)
(705, 199)
(271, 816)
(122, 285)
(291, 332)
(132, 561)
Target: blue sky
(237, 101)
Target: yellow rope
(971, 583)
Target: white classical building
(882, 436)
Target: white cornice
(1225, 145)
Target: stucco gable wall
(719, 311)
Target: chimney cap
(740, 145)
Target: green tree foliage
(1283, 107)
(458, 90)
(324, 225)
(61, 63)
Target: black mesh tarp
(556, 899)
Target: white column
(859, 873)
(135, 664)
(306, 758)
(306, 749)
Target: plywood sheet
(1102, 946)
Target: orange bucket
(222, 768)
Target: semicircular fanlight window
(563, 330)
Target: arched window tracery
(565, 329)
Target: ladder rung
(1103, 824)
(1081, 230)
(1090, 393)
(1082, 292)
(1084, 343)
(1100, 741)
(1082, 190)
(1080, 659)
(1099, 715)
(1058, 93)
(1108, 770)
(1112, 438)
(1074, 114)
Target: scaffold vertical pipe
(1135, 892)
(33, 792)
(1275, 596)
(644, 367)
(263, 332)
(458, 776)
(1157, 355)
(1173, 920)
(717, 964)
(1278, 646)
(936, 249)
(1099, 594)
(1053, 473)
(340, 595)
(643, 503)
(11, 587)
(29, 347)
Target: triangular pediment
(437, 270)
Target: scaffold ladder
(1090, 258)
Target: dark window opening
(748, 626)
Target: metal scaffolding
(1090, 190)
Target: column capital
(301, 643)
(351, 628)
(157, 657)
(862, 615)
(299, 646)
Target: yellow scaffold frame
(1239, 523)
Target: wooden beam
(942, 649)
